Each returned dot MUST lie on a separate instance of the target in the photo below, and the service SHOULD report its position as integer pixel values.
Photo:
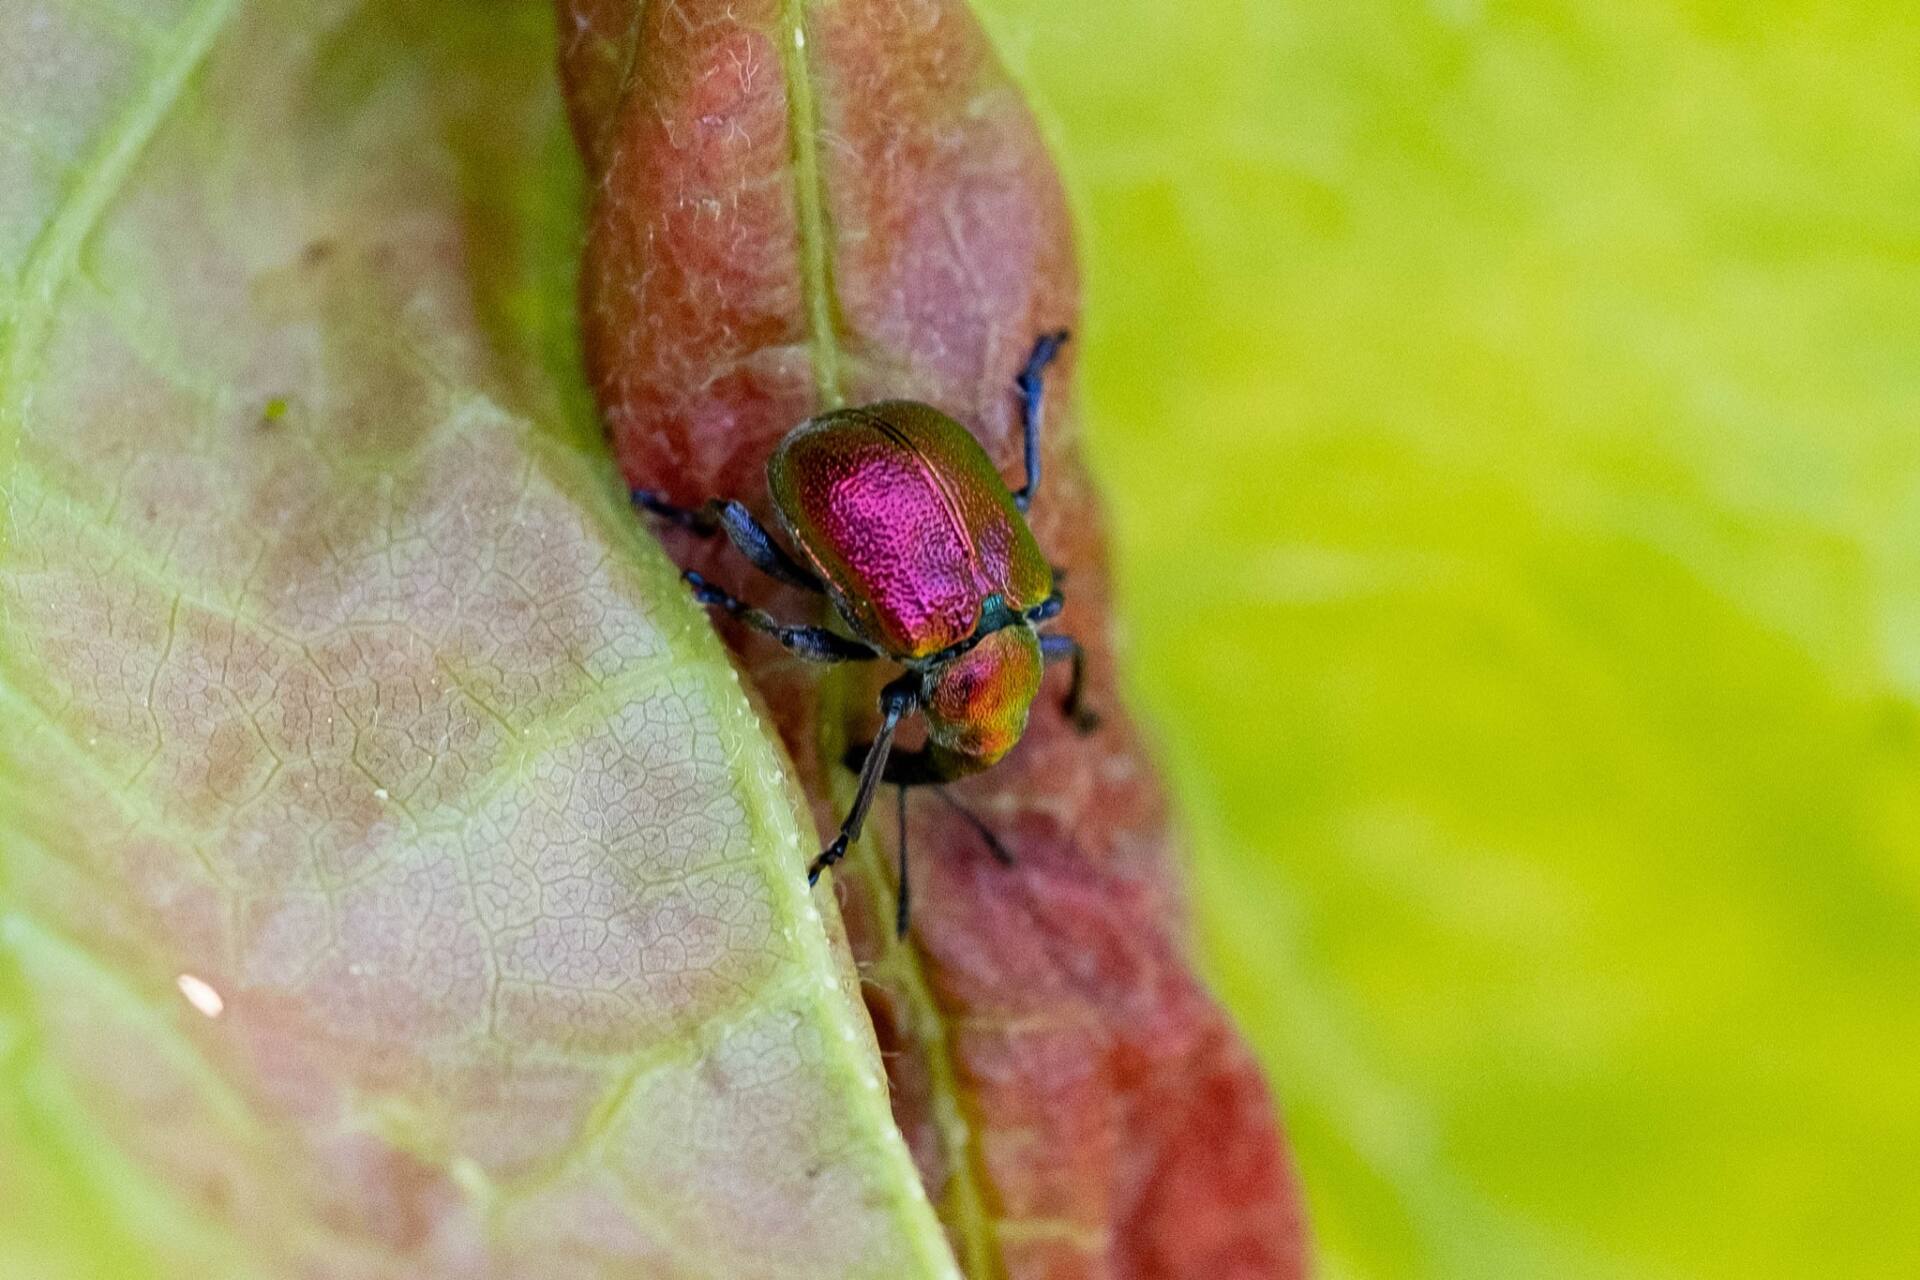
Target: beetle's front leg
(921, 769)
(816, 644)
(898, 699)
(1052, 649)
(924, 768)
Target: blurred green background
(1510, 416)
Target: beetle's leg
(1031, 386)
(752, 540)
(748, 536)
(1052, 649)
(1046, 610)
(699, 519)
(917, 769)
(816, 644)
(896, 700)
(900, 904)
(999, 851)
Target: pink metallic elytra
(901, 513)
(900, 518)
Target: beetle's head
(976, 702)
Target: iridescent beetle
(901, 519)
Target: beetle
(903, 522)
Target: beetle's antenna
(999, 851)
(900, 906)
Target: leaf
(393, 878)
(807, 203)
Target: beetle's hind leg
(1031, 386)
(748, 536)
(1052, 649)
(816, 644)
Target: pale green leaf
(394, 879)
(1510, 417)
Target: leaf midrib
(810, 203)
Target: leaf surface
(394, 880)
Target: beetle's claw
(828, 856)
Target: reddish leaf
(805, 204)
